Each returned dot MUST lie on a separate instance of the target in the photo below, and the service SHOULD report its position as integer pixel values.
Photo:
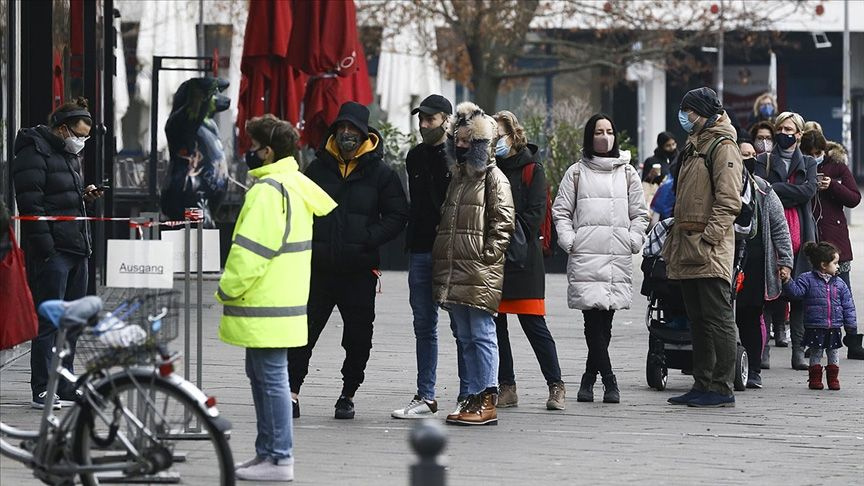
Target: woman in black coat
(524, 274)
(656, 167)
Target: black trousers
(541, 342)
(63, 276)
(751, 333)
(354, 295)
(598, 334)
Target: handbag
(18, 321)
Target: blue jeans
(478, 345)
(267, 369)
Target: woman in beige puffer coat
(601, 218)
(477, 219)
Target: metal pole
(187, 321)
(847, 96)
(199, 311)
(154, 126)
(720, 42)
(201, 28)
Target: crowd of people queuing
(478, 198)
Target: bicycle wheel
(163, 413)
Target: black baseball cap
(434, 104)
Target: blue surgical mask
(766, 110)
(685, 122)
(820, 159)
(501, 148)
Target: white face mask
(74, 145)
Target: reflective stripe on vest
(235, 311)
(263, 251)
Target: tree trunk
(485, 91)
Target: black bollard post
(428, 440)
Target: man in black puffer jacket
(372, 211)
(48, 182)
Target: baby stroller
(669, 339)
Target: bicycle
(133, 414)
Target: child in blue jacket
(828, 306)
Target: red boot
(833, 372)
(816, 377)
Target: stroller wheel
(742, 368)
(656, 374)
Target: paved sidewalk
(783, 434)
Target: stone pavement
(783, 434)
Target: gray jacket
(775, 238)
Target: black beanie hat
(355, 114)
(703, 101)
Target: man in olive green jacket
(701, 246)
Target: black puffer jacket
(428, 178)
(530, 204)
(372, 211)
(48, 182)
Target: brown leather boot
(460, 407)
(481, 411)
(816, 377)
(833, 372)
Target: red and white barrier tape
(139, 225)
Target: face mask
(820, 159)
(750, 164)
(74, 145)
(670, 154)
(785, 140)
(766, 110)
(347, 142)
(501, 148)
(461, 153)
(431, 136)
(763, 146)
(603, 143)
(253, 160)
(685, 122)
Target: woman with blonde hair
(792, 176)
(524, 274)
(764, 109)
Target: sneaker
(686, 398)
(251, 462)
(460, 406)
(556, 396)
(507, 396)
(417, 408)
(295, 408)
(282, 470)
(344, 408)
(39, 401)
(712, 400)
(754, 380)
(70, 398)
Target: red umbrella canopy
(325, 45)
(269, 84)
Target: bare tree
(484, 43)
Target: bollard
(428, 440)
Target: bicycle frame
(46, 439)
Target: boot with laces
(586, 388)
(556, 396)
(480, 411)
(507, 396)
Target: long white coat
(601, 224)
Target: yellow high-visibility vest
(265, 286)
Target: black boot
(856, 350)
(610, 389)
(586, 388)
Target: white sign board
(211, 249)
(140, 264)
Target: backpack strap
(528, 173)
(706, 157)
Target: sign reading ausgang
(140, 264)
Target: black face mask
(347, 142)
(785, 140)
(670, 154)
(750, 164)
(461, 154)
(253, 160)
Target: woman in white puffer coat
(601, 218)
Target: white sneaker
(251, 462)
(283, 470)
(417, 408)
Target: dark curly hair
(820, 253)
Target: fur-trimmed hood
(482, 129)
(835, 152)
